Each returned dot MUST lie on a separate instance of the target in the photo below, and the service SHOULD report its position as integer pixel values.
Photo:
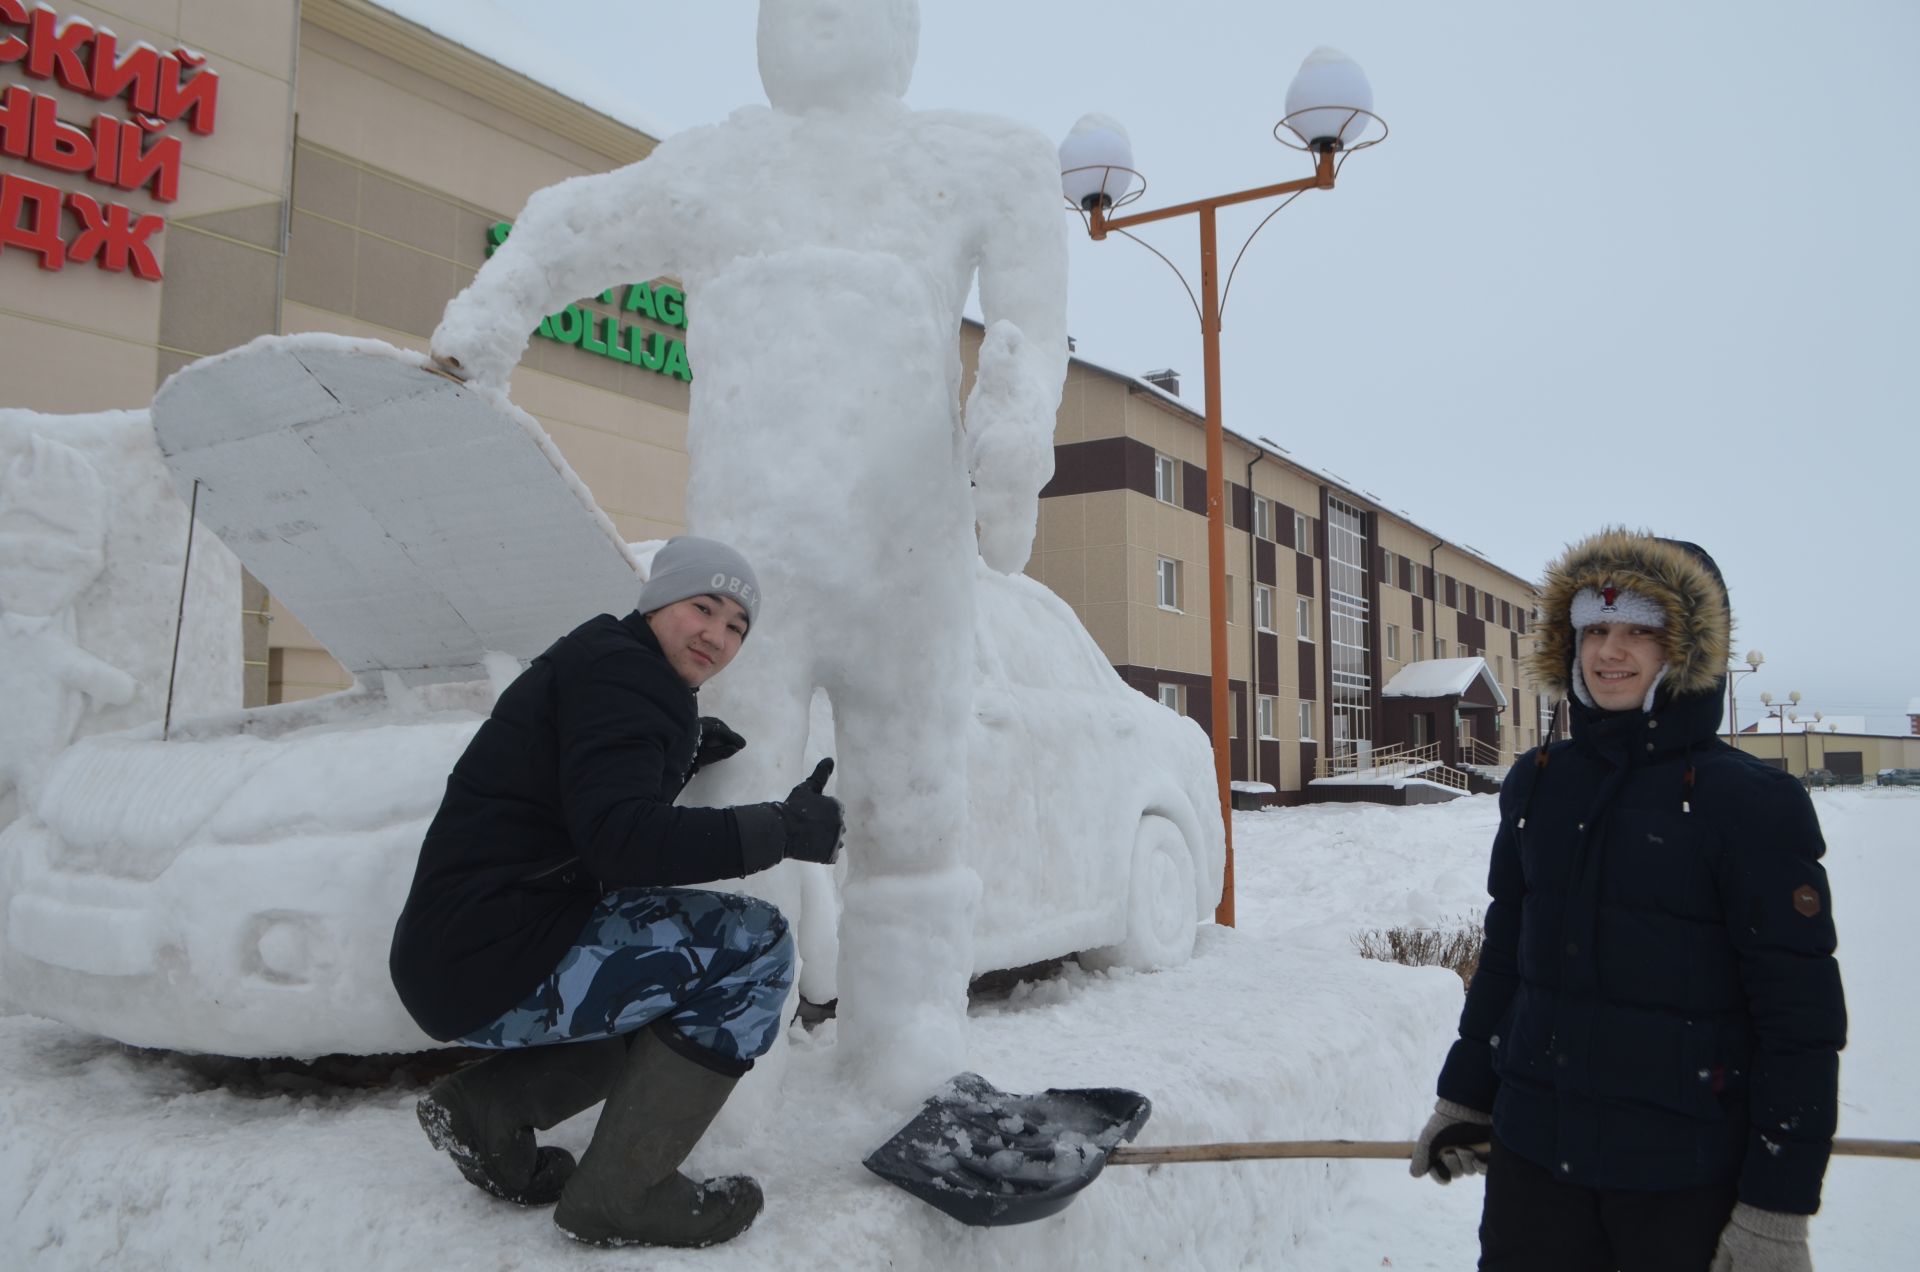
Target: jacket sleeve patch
(1806, 900)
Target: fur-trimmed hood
(1679, 577)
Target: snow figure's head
(830, 54)
(53, 529)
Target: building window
(1169, 577)
(1439, 648)
(1499, 667)
(1302, 533)
(1418, 638)
(1393, 642)
(1349, 635)
(1420, 729)
(1233, 713)
(1269, 718)
(1306, 721)
(1166, 479)
(1486, 606)
(1262, 518)
(1303, 618)
(1263, 607)
(1174, 698)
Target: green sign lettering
(609, 337)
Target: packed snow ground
(135, 1160)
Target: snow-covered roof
(503, 33)
(1442, 678)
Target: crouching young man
(551, 919)
(1651, 1040)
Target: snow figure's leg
(841, 479)
(906, 933)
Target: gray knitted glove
(1442, 1149)
(1756, 1240)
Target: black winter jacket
(566, 791)
(1657, 1006)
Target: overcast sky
(1632, 262)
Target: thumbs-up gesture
(815, 826)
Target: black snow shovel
(990, 1159)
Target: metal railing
(1393, 763)
(1479, 751)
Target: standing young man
(549, 918)
(1651, 1040)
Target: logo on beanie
(724, 584)
(1608, 595)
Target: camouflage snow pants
(712, 966)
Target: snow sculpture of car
(232, 889)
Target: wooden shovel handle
(1129, 1155)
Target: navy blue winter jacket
(1657, 1006)
(566, 791)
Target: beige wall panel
(219, 293)
(320, 262)
(350, 100)
(258, 225)
(1106, 517)
(1065, 573)
(256, 32)
(401, 288)
(296, 317)
(325, 185)
(625, 477)
(80, 295)
(1063, 524)
(641, 529)
(407, 215)
(62, 370)
(1107, 574)
(248, 143)
(1107, 624)
(555, 397)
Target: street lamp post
(1329, 115)
(1754, 659)
(1793, 700)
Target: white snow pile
(1277, 1029)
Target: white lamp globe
(1092, 160)
(1329, 89)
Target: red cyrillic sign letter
(58, 145)
(54, 47)
(41, 233)
(114, 236)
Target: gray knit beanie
(692, 566)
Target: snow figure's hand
(112, 687)
(1009, 427)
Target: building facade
(178, 177)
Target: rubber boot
(629, 1189)
(484, 1116)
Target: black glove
(813, 821)
(716, 743)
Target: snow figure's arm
(1023, 297)
(101, 681)
(1468, 1077)
(572, 239)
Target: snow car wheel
(1161, 903)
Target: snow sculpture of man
(828, 245)
(53, 526)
